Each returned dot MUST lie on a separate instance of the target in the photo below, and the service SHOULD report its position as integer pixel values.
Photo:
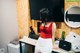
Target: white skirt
(44, 45)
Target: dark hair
(46, 15)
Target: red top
(46, 32)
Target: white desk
(33, 42)
(29, 40)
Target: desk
(27, 41)
(33, 42)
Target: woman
(47, 32)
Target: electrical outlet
(2, 50)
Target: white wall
(8, 22)
(0, 31)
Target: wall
(23, 17)
(0, 24)
(8, 20)
(24, 21)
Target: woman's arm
(53, 32)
